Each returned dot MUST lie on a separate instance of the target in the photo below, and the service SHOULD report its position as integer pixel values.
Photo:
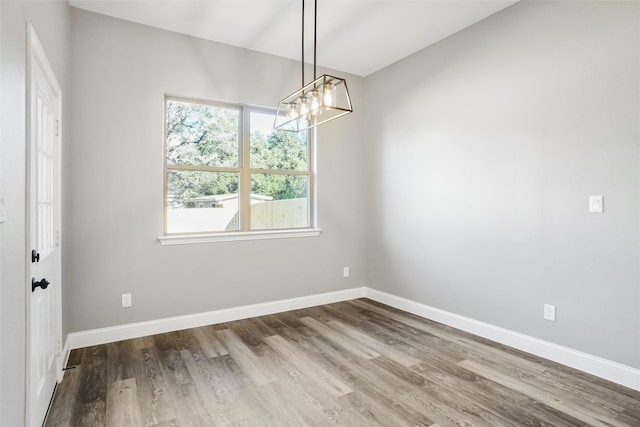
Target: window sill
(186, 239)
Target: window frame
(244, 171)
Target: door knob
(42, 283)
(35, 256)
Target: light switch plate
(596, 204)
(550, 312)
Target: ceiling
(354, 36)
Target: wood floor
(356, 363)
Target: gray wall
(51, 21)
(121, 72)
(486, 147)
(472, 177)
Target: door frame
(35, 53)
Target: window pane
(201, 201)
(276, 150)
(279, 201)
(200, 134)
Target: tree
(284, 151)
(200, 135)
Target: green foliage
(280, 186)
(279, 150)
(284, 151)
(186, 185)
(200, 134)
(205, 135)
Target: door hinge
(57, 237)
(58, 347)
(57, 127)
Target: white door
(44, 258)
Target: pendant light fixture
(324, 99)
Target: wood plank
(584, 413)
(143, 342)
(377, 395)
(379, 390)
(382, 349)
(250, 363)
(155, 405)
(209, 343)
(508, 403)
(340, 339)
(91, 399)
(122, 404)
(210, 393)
(304, 364)
(187, 403)
(422, 337)
(121, 361)
(289, 407)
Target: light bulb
(314, 100)
(298, 107)
(304, 106)
(292, 111)
(329, 95)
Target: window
(228, 157)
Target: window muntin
(226, 170)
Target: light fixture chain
(302, 42)
(315, 29)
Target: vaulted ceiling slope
(354, 36)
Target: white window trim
(233, 236)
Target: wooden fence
(274, 214)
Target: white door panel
(43, 303)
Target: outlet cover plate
(550, 312)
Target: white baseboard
(141, 329)
(612, 371)
(603, 368)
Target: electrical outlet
(126, 300)
(345, 272)
(550, 312)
